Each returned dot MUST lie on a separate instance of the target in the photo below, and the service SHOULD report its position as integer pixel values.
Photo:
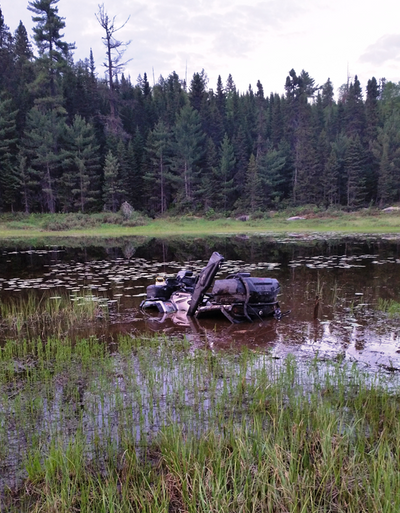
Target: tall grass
(153, 425)
(36, 314)
(389, 306)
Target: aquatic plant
(389, 306)
(40, 314)
(150, 424)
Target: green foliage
(188, 150)
(8, 162)
(112, 183)
(79, 181)
(181, 147)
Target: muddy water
(351, 277)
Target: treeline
(73, 142)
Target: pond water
(354, 278)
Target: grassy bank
(43, 226)
(153, 425)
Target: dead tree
(115, 50)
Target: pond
(356, 279)
(89, 389)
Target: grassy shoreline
(48, 226)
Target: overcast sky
(252, 40)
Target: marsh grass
(33, 315)
(153, 425)
(389, 306)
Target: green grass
(109, 225)
(38, 315)
(389, 306)
(149, 424)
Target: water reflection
(349, 275)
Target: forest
(71, 141)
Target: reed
(34, 314)
(389, 306)
(157, 426)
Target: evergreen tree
(23, 76)
(354, 161)
(135, 182)
(209, 180)
(175, 98)
(330, 180)
(188, 150)
(387, 153)
(6, 55)
(111, 183)
(220, 98)
(242, 155)
(24, 180)
(272, 167)
(252, 199)
(53, 51)
(8, 156)
(41, 144)
(225, 185)
(354, 110)
(198, 92)
(79, 181)
(158, 177)
(277, 124)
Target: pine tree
(79, 181)
(53, 52)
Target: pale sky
(252, 40)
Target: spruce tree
(158, 178)
(23, 76)
(198, 91)
(355, 180)
(272, 167)
(6, 56)
(252, 198)
(386, 150)
(187, 152)
(330, 180)
(41, 144)
(224, 186)
(111, 183)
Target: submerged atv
(239, 297)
